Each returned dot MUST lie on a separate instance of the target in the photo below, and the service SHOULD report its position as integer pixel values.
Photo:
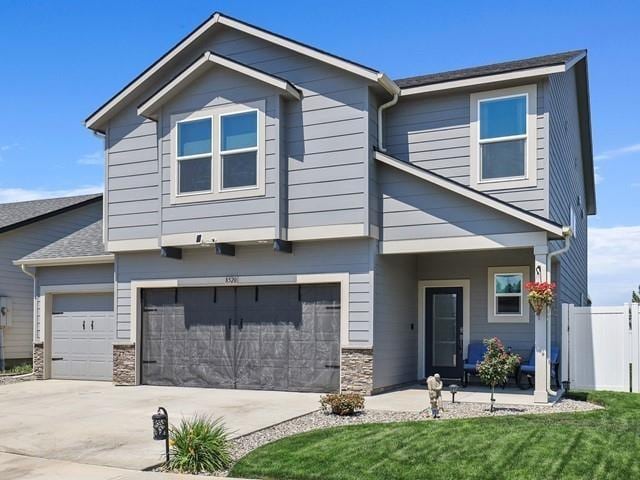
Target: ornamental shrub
(199, 445)
(342, 403)
(497, 365)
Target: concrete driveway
(101, 424)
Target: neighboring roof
(19, 214)
(205, 61)
(566, 59)
(467, 192)
(82, 246)
(96, 120)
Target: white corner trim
(96, 120)
(466, 316)
(471, 242)
(487, 79)
(326, 232)
(226, 236)
(492, 317)
(151, 105)
(132, 245)
(59, 261)
(471, 194)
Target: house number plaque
(232, 279)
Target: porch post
(541, 377)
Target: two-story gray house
(277, 217)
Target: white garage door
(83, 331)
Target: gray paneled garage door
(283, 337)
(82, 340)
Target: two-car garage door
(82, 340)
(279, 337)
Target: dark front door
(443, 311)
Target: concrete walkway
(14, 467)
(100, 424)
(414, 398)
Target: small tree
(497, 365)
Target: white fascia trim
(458, 244)
(89, 259)
(327, 232)
(496, 78)
(466, 316)
(133, 245)
(225, 236)
(93, 122)
(78, 288)
(470, 194)
(150, 106)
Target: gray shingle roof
(18, 214)
(495, 68)
(82, 243)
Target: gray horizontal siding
(351, 256)
(433, 132)
(14, 245)
(415, 209)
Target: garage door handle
(55, 359)
(83, 324)
(91, 324)
(241, 323)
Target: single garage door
(284, 337)
(83, 332)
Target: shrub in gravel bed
(342, 403)
(199, 445)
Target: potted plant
(497, 365)
(540, 295)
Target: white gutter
(35, 320)
(391, 87)
(567, 234)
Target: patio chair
(475, 354)
(529, 368)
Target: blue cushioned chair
(529, 368)
(475, 354)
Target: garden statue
(434, 385)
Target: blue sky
(62, 59)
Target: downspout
(25, 270)
(394, 90)
(567, 234)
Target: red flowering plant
(541, 295)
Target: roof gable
(19, 214)
(96, 120)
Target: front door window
(444, 331)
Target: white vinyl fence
(601, 347)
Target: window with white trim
(507, 297)
(218, 155)
(503, 142)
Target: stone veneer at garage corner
(356, 370)
(124, 363)
(38, 360)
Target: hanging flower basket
(541, 295)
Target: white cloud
(95, 158)
(23, 194)
(598, 178)
(614, 264)
(618, 152)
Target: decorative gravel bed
(6, 379)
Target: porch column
(541, 381)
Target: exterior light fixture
(161, 428)
(565, 385)
(453, 388)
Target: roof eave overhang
(529, 73)
(61, 261)
(97, 120)
(150, 106)
(554, 230)
(586, 142)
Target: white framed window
(218, 153)
(503, 138)
(507, 301)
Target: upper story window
(503, 140)
(218, 154)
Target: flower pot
(538, 305)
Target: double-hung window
(503, 143)
(218, 155)
(507, 296)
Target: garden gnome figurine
(434, 385)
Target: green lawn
(592, 445)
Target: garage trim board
(242, 280)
